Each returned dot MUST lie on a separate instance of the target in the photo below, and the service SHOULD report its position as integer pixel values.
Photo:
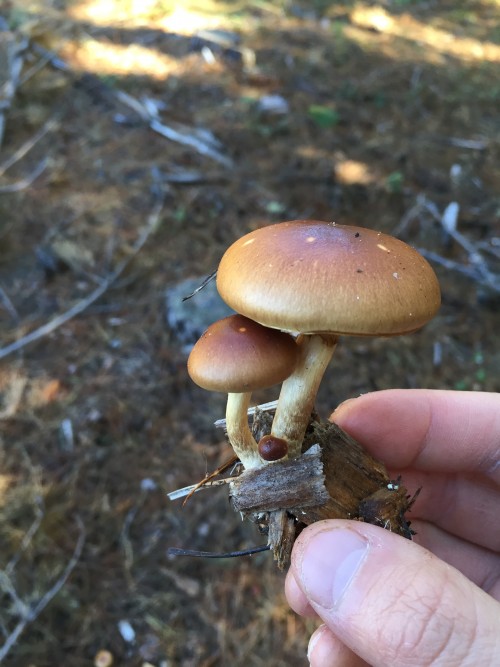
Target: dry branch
(12, 50)
(477, 268)
(82, 305)
(201, 141)
(51, 124)
(28, 613)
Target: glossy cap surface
(237, 355)
(317, 277)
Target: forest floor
(141, 139)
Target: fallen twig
(492, 281)
(27, 181)
(82, 305)
(29, 613)
(51, 124)
(204, 283)
(263, 407)
(13, 48)
(194, 488)
(203, 142)
(8, 305)
(425, 211)
(210, 477)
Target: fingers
(326, 650)
(481, 566)
(296, 598)
(393, 601)
(428, 429)
(463, 505)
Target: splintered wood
(291, 485)
(333, 479)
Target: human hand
(386, 601)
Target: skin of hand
(387, 601)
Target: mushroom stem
(238, 430)
(298, 391)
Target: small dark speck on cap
(356, 234)
(359, 270)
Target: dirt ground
(376, 114)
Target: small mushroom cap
(317, 277)
(237, 355)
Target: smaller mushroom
(237, 356)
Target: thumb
(393, 602)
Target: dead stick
(82, 305)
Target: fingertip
(430, 429)
(370, 586)
(296, 598)
(327, 650)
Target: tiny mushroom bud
(272, 448)
(323, 280)
(237, 356)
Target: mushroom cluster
(309, 282)
(319, 280)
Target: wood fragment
(351, 474)
(290, 484)
(335, 479)
(281, 537)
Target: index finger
(436, 430)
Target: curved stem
(298, 392)
(238, 430)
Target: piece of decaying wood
(287, 485)
(281, 536)
(334, 479)
(359, 487)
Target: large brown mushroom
(237, 356)
(322, 280)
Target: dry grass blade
(211, 476)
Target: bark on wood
(349, 484)
(281, 536)
(291, 484)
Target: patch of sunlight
(107, 12)
(179, 17)
(187, 21)
(439, 41)
(104, 58)
(352, 172)
(12, 387)
(5, 482)
(310, 152)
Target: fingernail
(340, 407)
(316, 636)
(328, 564)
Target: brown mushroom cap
(317, 277)
(237, 355)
